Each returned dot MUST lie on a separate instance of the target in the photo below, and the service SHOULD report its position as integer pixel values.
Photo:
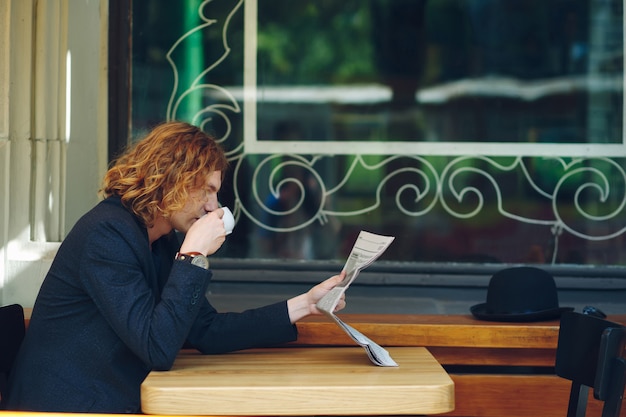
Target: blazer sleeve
(220, 332)
(214, 332)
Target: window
(478, 131)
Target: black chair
(12, 332)
(590, 353)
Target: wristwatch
(194, 258)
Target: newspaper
(367, 248)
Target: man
(122, 295)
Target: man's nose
(211, 204)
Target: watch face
(201, 261)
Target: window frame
(252, 145)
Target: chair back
(590, 353)
(12, 331)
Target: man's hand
(305, 304)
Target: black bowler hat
(520, 294)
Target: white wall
(53, 109)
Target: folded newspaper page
(367, 248)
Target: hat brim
(480, 311)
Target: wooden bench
(499, 369)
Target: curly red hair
(156, 174)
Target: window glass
(471, 130)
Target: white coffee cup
(229, 220)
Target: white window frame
(252, 145)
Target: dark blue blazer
(111, 309)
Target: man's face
(201, 201)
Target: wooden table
(300, 381)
